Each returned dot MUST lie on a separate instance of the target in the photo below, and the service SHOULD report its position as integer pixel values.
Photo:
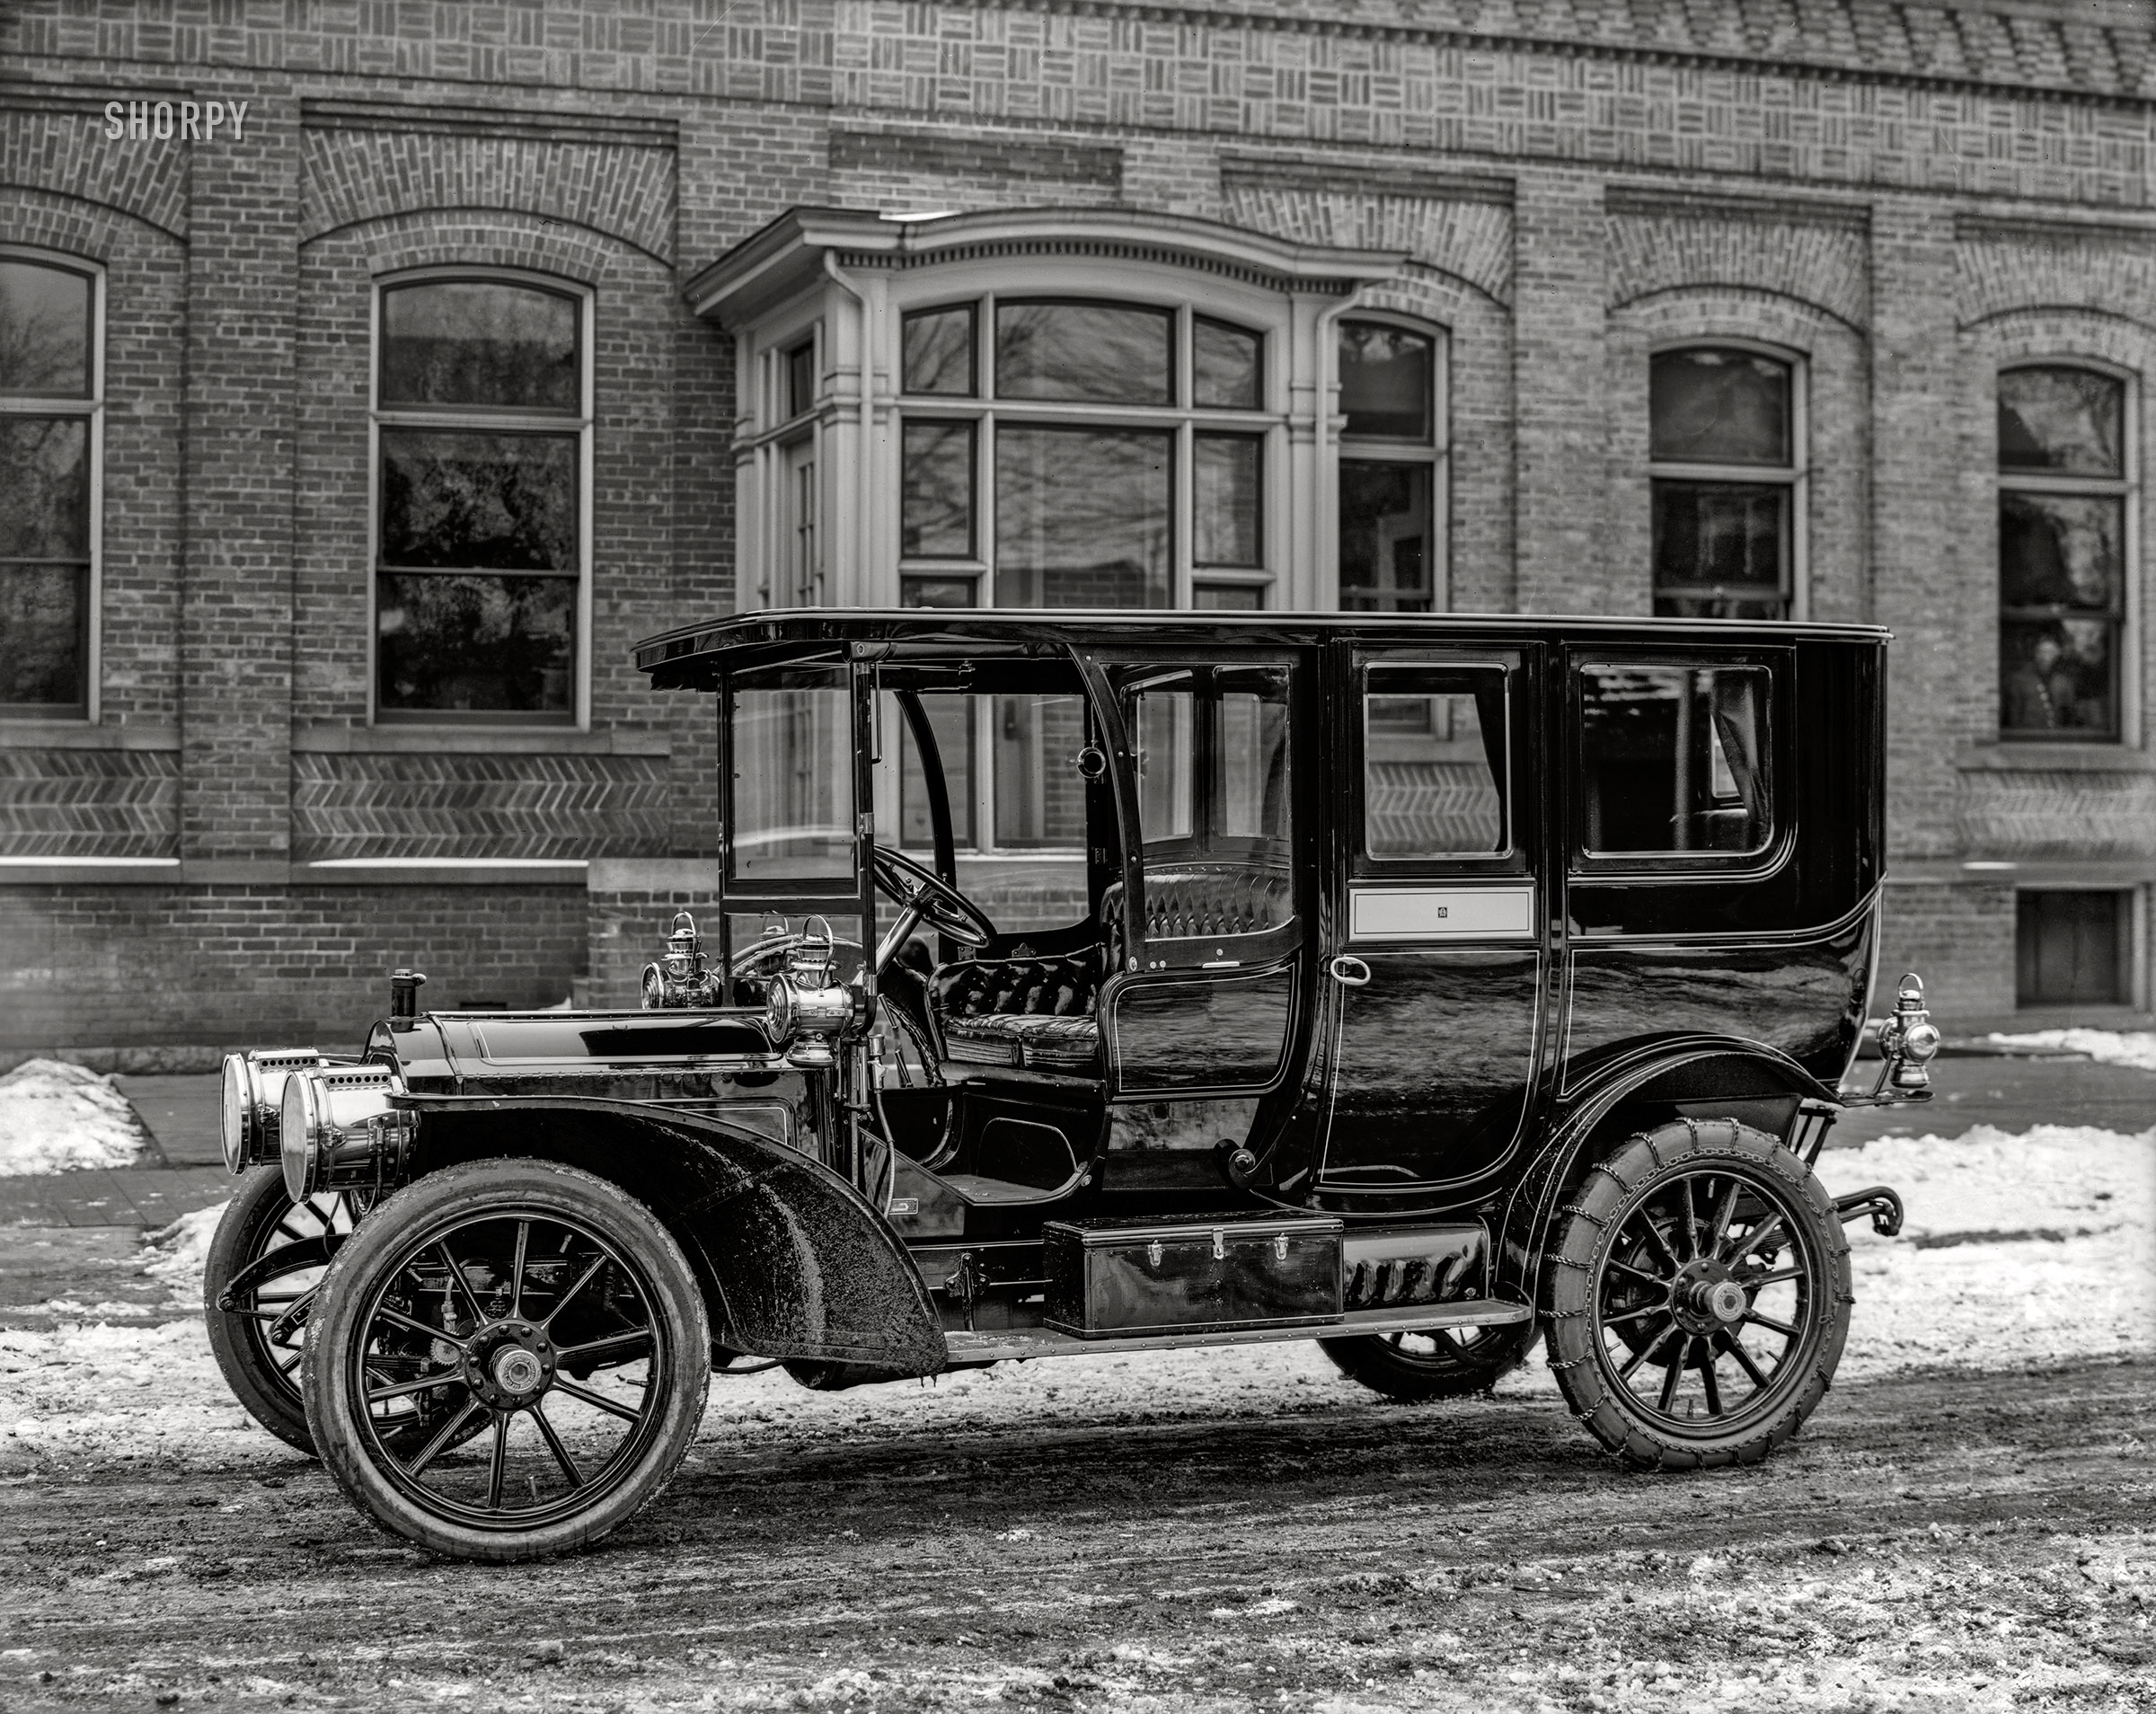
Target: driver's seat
(1028, 1013)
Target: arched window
(482, 425)
(1725, 446)
(2065, 527)
(50, 404)
(1392, 446)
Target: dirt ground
(1935, 1540)
(1968, 1522)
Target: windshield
(792, 778)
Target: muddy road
(1948, 1540)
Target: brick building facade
(1911, 249)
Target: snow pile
(56, 1117)
(2135, 1048)
(178, 1251)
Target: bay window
(481, 453)
(50, 419)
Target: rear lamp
(254, 1093)
(340, 1128)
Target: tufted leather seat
(1018, 1012)
(1195, 901)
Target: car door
(1440, 948)
(1200, 1020)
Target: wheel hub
(1706, 1297)
(508, 1364)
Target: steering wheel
(923, 896)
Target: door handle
(1348, 971)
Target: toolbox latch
(1219, 1244)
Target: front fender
(794, 1261)
(1675, 1070)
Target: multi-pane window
(1725, 454)
(481, 423)
(50, 402)
(2064, 524)
(1392, 472)
(1064, 453)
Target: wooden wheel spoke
(1647, 1350)
(1782, 1327)
(1640, 1274)
(426, 1382)
(523, 1239)
(1724, 1213)
(598, 1401)
(1630, 1316)
(583, 1279)
(1671, 1374)
(398, 1317)
(598, 1350)
(1708, 1381)
(1654, 1234)
(553, 1442)
(443, 1436)
(479, 1316)
(1751, 1240)
(1692, 1221)
(1750, 1283)
(498, 1461)
(1735, 1349)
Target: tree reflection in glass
(1082, 518)
(477, 643)
(479, 342)
(1104, 353)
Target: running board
(1020, 1344)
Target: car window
(1673, 759)
(793, 779)
(1434, 761)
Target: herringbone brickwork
(478, 806)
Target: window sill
(80, 735)
(320, 737)
(2040, 758)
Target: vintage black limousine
(1419, 986)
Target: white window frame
(91, 408)
(1267, 424)
(1436, 453)
(455, 417)
(2125, 488)
(1795, 475)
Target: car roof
(691, 655)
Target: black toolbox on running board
(1191, 1273)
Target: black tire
(260, 1363)
(1673, 1250)
(1445, 1362)
(493, 1291)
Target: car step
(1020, 1343)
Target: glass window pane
(1039, 793)
(44, 329)
(1385, 380)
(1674, 758)
(1163, 740)
(793, 782)
(481, 342)
(800, 378)
(950, 718)
(2073, 949)
(1111, 353)
(1252, 787)
(459, 497)
(44, 488)
(1082, 518)
(1720, 549)
(43, 636)
(1228, 526)
(1718, 408)
(2059, 677)
(475, 644)
(1227, 597)
(1227, 367)
(2062, 551)
(1385, 541)
(1433, 761)
(936, 592)
(935, 503)
(938, 352)
(2061, 419)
